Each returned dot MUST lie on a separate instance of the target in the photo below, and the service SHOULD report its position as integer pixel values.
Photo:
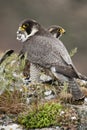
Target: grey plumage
(50, 54)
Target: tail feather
(75, 90)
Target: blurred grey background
(70, 14)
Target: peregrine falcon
(57, 31)
(37, 73)
(49, 53)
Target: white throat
(23, 36)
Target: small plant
(65, 96)
(10, 73)
(73, 52)
(46, 115)
(12, 102)
(11, 99)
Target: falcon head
(56, 31)
(27, 28)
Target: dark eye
(59, 30)
(25, 25)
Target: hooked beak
(62, 31)
(22, 34)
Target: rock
(11, 127)
(82, 112)
(85, 101)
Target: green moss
(46, 115)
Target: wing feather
(48, 52)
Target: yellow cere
(21, 28)
(62, 30)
